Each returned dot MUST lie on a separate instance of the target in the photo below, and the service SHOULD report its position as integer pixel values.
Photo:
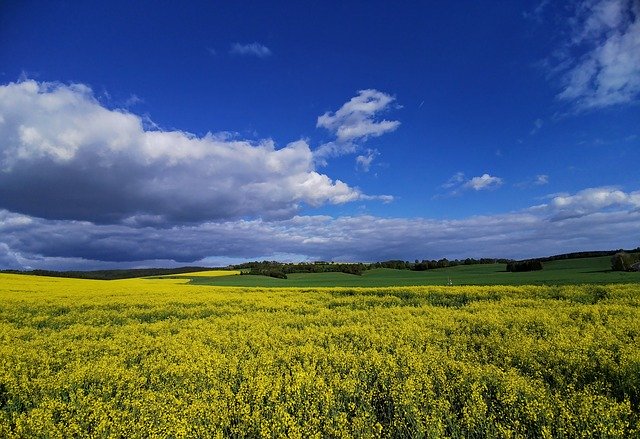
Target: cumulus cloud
(354, 123)
(65, 156)
(600, 64)
(608, 218)
(252, 49)
(458, 183)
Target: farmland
(561, 272)
(165, 358)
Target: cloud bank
(65, 156)
(595, 218)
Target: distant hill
(581, 255)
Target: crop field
(144, 358)
(572, 271)
(209, 273)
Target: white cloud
(356, 118)
(591, 200)
(63, 155)
(608, 219)
(252, 49)
(484, 182)
(333, 149)
(363, 162)
(458, 183)
(601, 64)
(353, 124)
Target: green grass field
(563, 272)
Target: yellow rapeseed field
(157, 358)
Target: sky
(162, 133)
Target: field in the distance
(561, 272)
(143, 358)
(207, 273)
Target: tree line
(434, 264)
(281, 270)
(110, 274)
(586, 254)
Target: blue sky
(171, 133)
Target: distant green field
(572, 271)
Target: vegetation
(446, 263)
(270, 272)
(625, 261)
(280, 270)
(111, 274)
(558, 272)
(529, 265)
(161, 358)
(433, 264)
(583, 255)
